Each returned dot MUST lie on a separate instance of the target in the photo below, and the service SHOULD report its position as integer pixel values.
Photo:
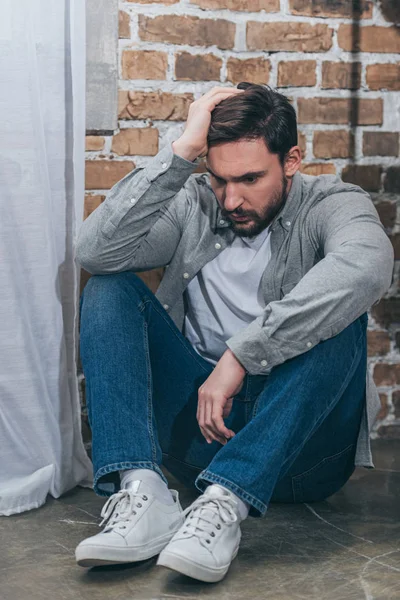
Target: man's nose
(232, 198)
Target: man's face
(248, 181)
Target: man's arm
(354, 274)
(139, 225)
(115, 237)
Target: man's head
(252, 156)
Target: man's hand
(193, 141)
(216, 397)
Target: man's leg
(135, 359)
(305, 421)
(142, 379)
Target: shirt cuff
(254, 350)
(169, 169)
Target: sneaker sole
(97, 556)
(186, 567)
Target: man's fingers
(217, 96)
(201, 420)
(221, 427)
(220, 89)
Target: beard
(259, 223)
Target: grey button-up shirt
(331, 259)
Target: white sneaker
(139, 527)
(208, 541)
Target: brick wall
(339, 62)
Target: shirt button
(309, 344)
(164, 165)
(218, 246)
(288, 223)
(264, 363)
(186, 275)
(221, 222)
(133, 200)
(166, 306)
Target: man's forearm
(183, 150)
(111, 236)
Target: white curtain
(42, 91)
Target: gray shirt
(331, 259)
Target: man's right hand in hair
(193, 142)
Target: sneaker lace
(205, 514)
(120, 507)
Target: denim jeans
(296, 428)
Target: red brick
(389, 432)
(396, 403)
(240, 5)
(337, 143)
(318, 169)
(137, 140)
(378, 343)
(94, 143)
(144, 64)
(302, 142)
(255, 70)
(395, 239)
(387, 212)
(384, 76)
(340, 111)
(390, 10)
(288, 36)
(154, 105)
(336, 8)
(382, 414)
(92, 201)
(392, 180)
(369, 39)
(103, 174)
(343, 75)
(297, 73)
(366, 176)
(387, 311)
(380, 143)
(197, 67)
(153, 1)
(178, 29)
(124, 24)
(386, 374)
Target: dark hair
(260, 112)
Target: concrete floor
(345, 548)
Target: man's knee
(100, 285)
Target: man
(246, 373)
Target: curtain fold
(42, 99)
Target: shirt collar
(285, 215)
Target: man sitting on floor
(246, 373)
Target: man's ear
(292, 161)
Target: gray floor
(347, 547)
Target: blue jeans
(296, 428)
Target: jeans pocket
(325, 478)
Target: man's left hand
(216, 397)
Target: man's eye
(251, 179)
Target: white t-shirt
(225, 295)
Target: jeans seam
(182, 462)
(322, 417)
(149, 395)
(211, 477)
(120, 466)
(163, 314)
(322, 461)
